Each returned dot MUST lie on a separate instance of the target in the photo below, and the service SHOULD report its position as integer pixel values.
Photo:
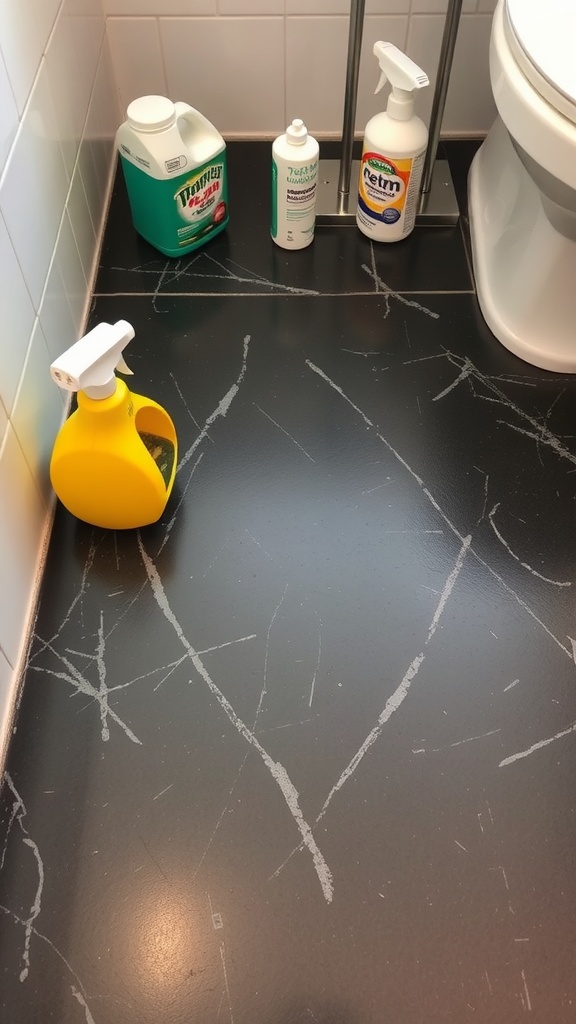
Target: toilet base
(525, 270)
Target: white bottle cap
(151, 113)
(296, 133)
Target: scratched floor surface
(305, 751)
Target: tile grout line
(274, 295)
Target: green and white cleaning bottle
(174, 164)
(294, 184)
(393, 152)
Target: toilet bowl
(522, 185)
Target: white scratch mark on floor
(488, 982)
(317, 666)
(276, 424)
(380, 286)
(161, 793)
(441, 513)
(80, 998)
(220, 410)
(526, 992)
(537, 746)
(377, 488)
(185, 404)
(172, 522)
(276, 769)
(79, 597)
(510, 685)
(460, 845)
(458, 743)
(19, 812)
(546, 579)
(396, 699)
(465, 372)
(228, 643)
(223, 960)
(81, 685)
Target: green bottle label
(177, 215)
(274, 220)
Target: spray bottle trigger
(123, 368)
(381, 82)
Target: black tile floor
(305, 751)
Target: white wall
(253, 65)
(58, 115)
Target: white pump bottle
(393, 152)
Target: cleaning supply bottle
(174, 164)
(294, 184)
(393, 152)
(114, 459)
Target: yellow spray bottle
(114, 460)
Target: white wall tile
(316, 51)
(81, 221)
(469, 105)
(240, 7)
(70, 267)
(314, 7)
(22, 525)
(249, 97)
(55, 314)
(64, 71)
(8, 114)
(34, 188)
(137, 59)
(18, 315)
(166, 8)
(38, 412)
(101, 125)
(88, 30)
(24, 29)
(439, 6)
(104, 114)
(87, 9)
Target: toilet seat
(547, 135)
(542, 40)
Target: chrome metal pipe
(442, 82)
(352, 70)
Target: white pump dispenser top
(89, 365)
(296, 133)
(404, 76)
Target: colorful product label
(294, 203)
(388, 190)
(180, 213)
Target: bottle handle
(193, 117)
(181, 109)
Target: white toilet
(522, 185)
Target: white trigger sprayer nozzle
(89, 365)
(404, 76)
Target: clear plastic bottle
(294, 185)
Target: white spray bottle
(393, 152)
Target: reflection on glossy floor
(305, 750)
